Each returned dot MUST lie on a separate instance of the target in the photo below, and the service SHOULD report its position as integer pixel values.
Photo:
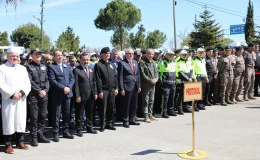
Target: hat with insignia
(209, 49)
(156, 51)
(228, 47)
(35, 50)
(200, 50)
(239, 48)
(183, 52)
(169, 51)
(186, 47)
(105, 50)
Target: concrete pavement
(227, 133)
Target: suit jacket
(257, 62)
(127, 78)
(84, 87)
(60, 79)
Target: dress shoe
(102, 129)
(109, 127)
(68, 135)
(79, 134)
(152, 118)
(34, 142)
(201, 108)
(172, 114)
(126, 125)
(165, 116)
(21, 145)
(56, 138)
(147, 120)
(91, 130)
(196, 109)
(180, 112)
(187, 110)
(208, 104)
(134, 123)
(9, 150)
(43, 139)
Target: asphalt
(225, 132)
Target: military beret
(239, 48)
(105, 50)
(221, 47)
(35, 50)
(215, 50)
(178, 51)
(228, 47)
(251, 44)
(208, 49)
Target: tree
(118, 15)
(257, 35)
(250, 25)
(138, 40)
(227, 41)
(207, 31)
(155, 39)
(29, 36)
(68, 41)
(4, 39)
(115, 39)
(14, 2)
(184, 37)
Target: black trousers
(38, 112)
(80, 108)
(58, 107)
(256, 85)
(18, 138)
(49, 110)
(179, 97)
(119, 109)
(157, 98)
(1, 127)
(203, 80)
(106, 108)
(72, 107)
(208, 94)
(129, 105)
(167, 96)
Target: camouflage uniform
(237, 86)
(249, 74)
(225, 71)
(214, 84)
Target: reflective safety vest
(167, 71)
(199, 67)
(183, 71)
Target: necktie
(61, 68)
(131, 65)
(87, 72)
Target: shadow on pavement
(149, 151)
(253, 107)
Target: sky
(156, 14)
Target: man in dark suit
(129, 85)
(107, 89)
(85, 93)
(61, 80)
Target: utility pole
(196, 23)
(174, 24)
(42, 8)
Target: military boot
(239, 100)
(251, 97)
(223, 103)
(228, 101)
(180, 111)
(34, 141)
(232, 99)
(246, 98)
(43, 139)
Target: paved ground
(227, 133)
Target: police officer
(37, 98)
(167, 79)
(210, 73)
(183, 74)
(249, 57)
(239, 69)
(225, 69)
(200, 73)
(157, 95)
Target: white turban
(14, 50)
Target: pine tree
(250, 25)
(208, 32)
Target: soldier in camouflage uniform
(239, 69)
(225, 75)
(249, 57)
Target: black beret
(215, 50)
(143, 51)
(251, 44)
(221, 47)
(105, 50)
(208, 49)
(239, 48)
(178, 51)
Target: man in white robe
(14, 87)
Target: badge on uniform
(64, 65)
(43, 68)
(111, 66)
